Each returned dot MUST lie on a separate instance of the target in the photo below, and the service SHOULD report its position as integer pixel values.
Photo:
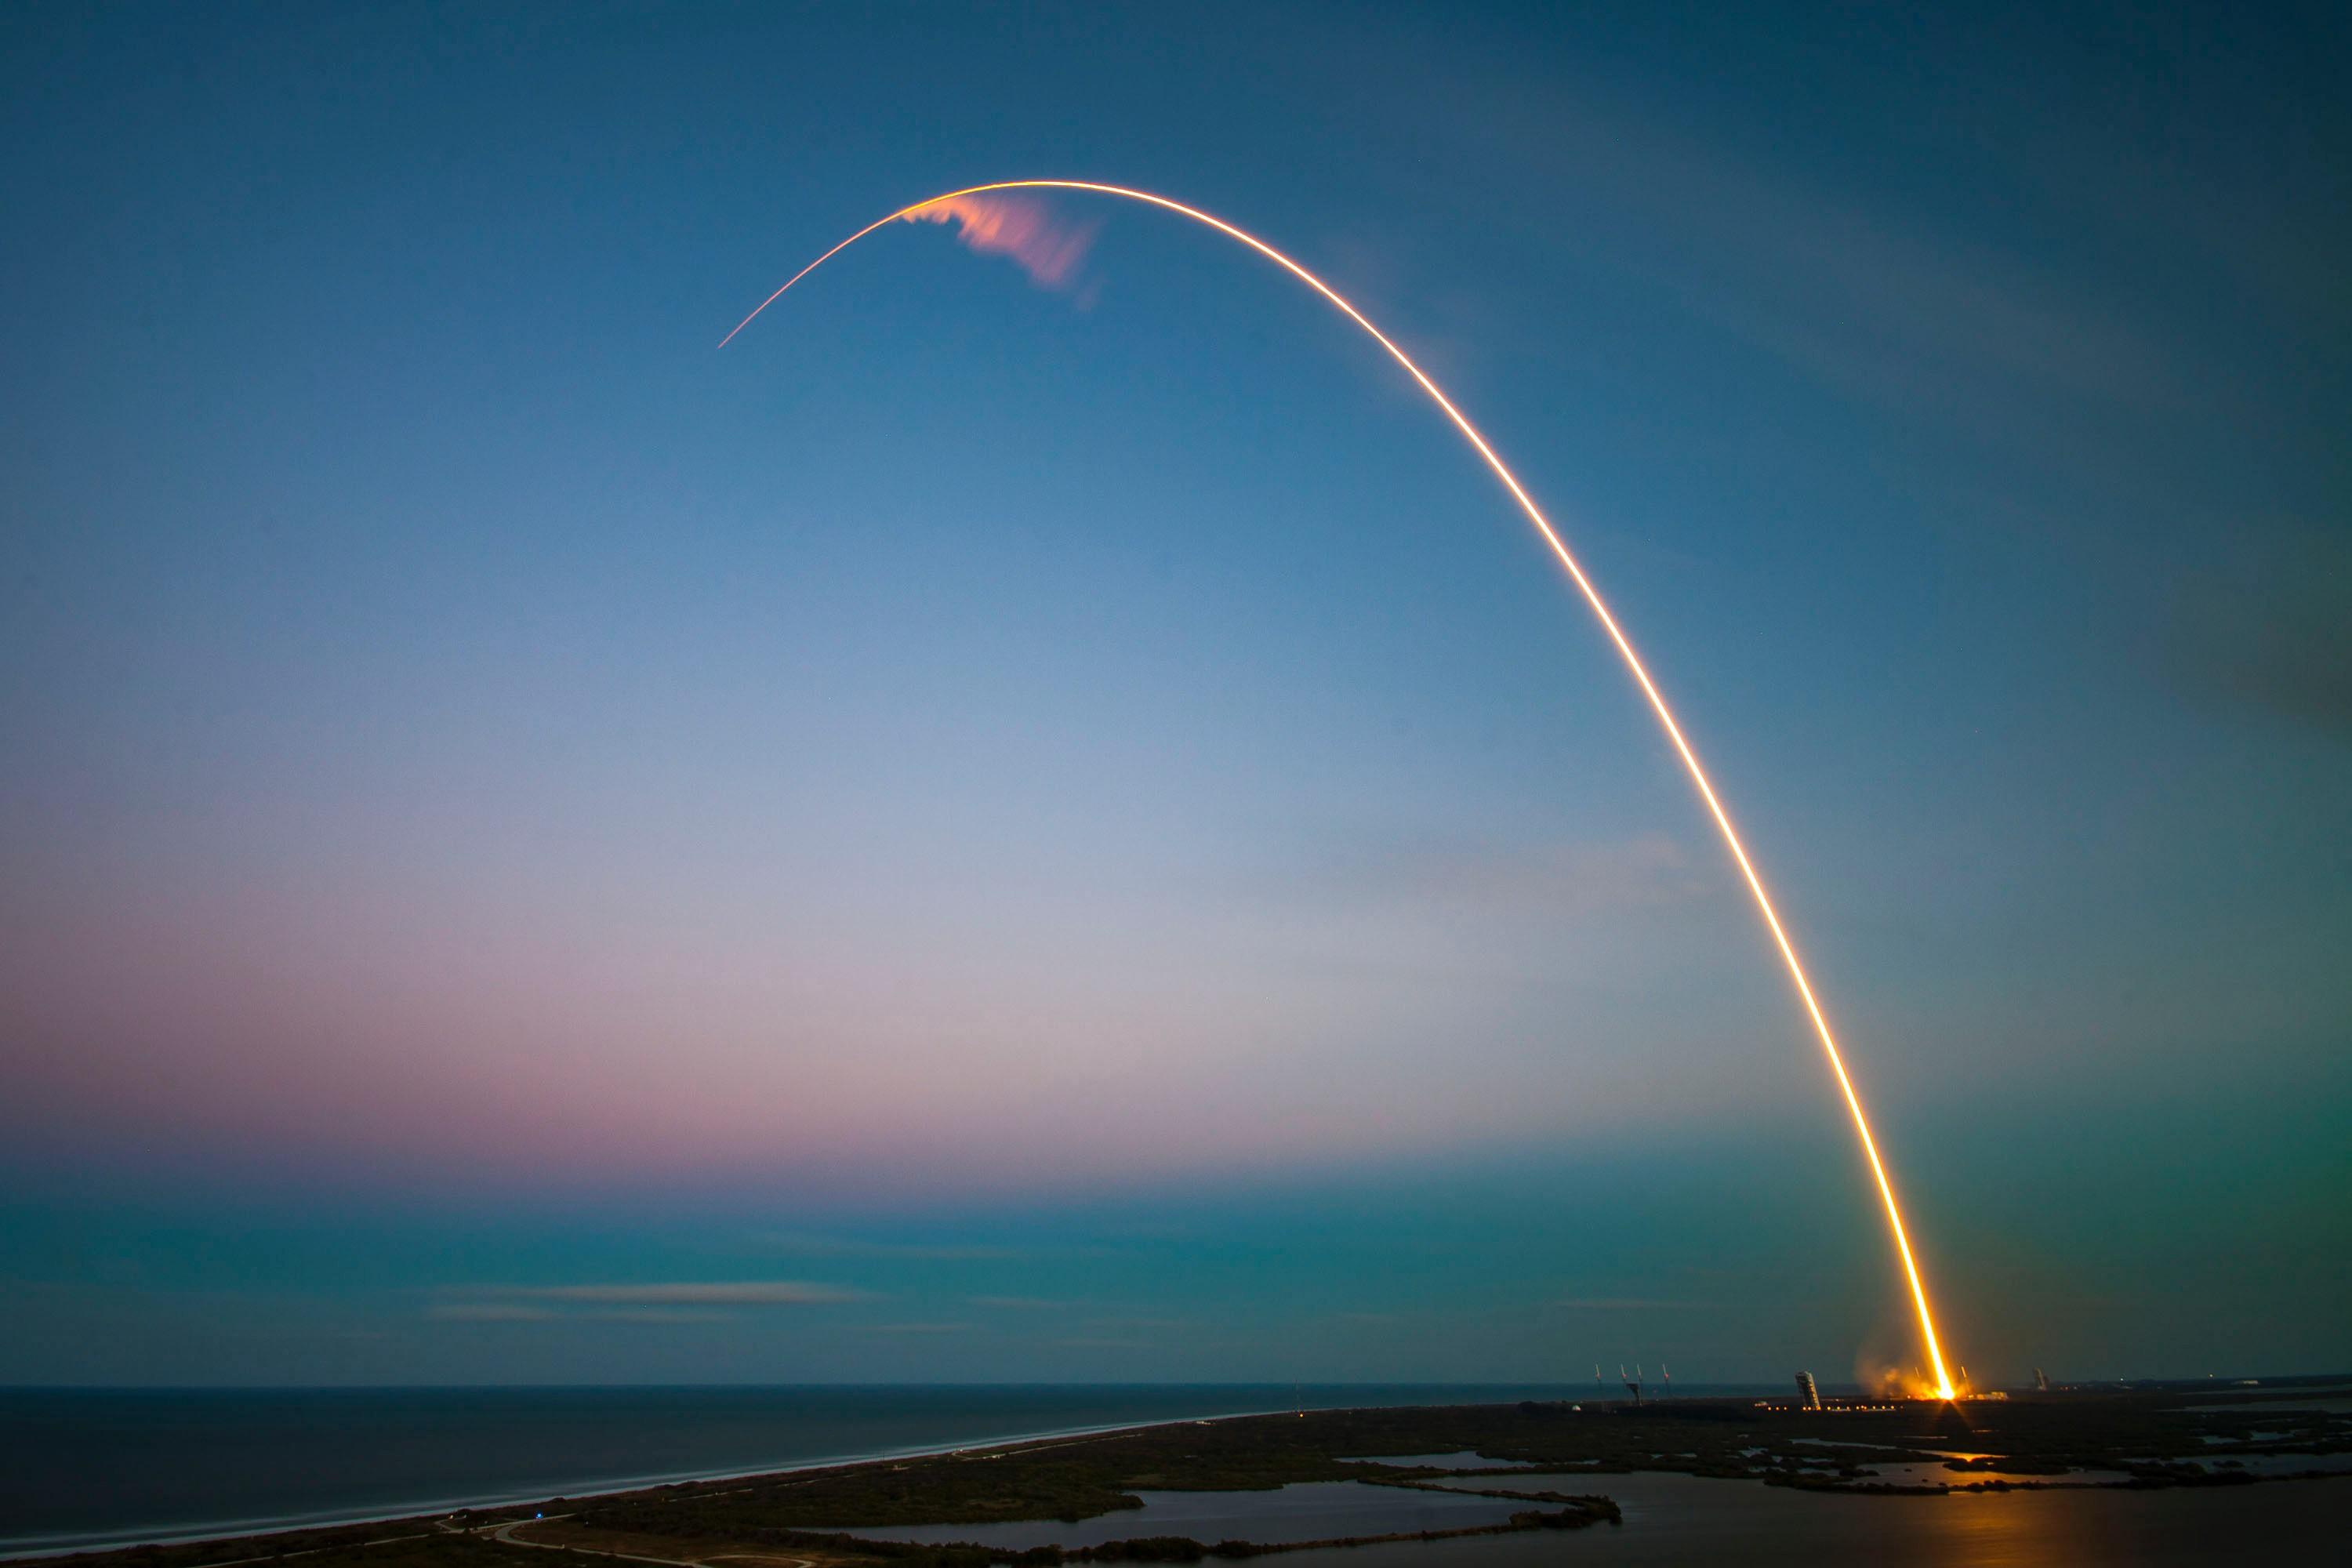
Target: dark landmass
(2129, 1437)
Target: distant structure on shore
(2041, 1381)
(1808, 1392)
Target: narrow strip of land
(839, 1515)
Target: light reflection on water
(1672, 1519)
(1914, 1473)
(1306, 1510)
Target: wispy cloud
(805, 1243)
(1648, 870)
(1021, 227)
(1842, 286)
(1628, 1304)
(2272, 631)
(683, 1293)
(916, 1329)
(715, 1293)
(1139, 1325)
(1019, 1303)
(486, 1312)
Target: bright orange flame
(1898, 1383)
(1943, 1383)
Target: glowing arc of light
(1600, 608)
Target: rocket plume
(1019, 226)
(956, 203)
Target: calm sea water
(86, 1468)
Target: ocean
(90, 1467)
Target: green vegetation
(1577, 1514)
(410, 1543)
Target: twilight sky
(1040, 817)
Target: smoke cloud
(1022, 227)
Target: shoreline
(2064, 1430)
(238, 1530)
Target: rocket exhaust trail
(1600, 608)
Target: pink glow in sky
(382, 1019)
(1048, 248)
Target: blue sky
(519, 828)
